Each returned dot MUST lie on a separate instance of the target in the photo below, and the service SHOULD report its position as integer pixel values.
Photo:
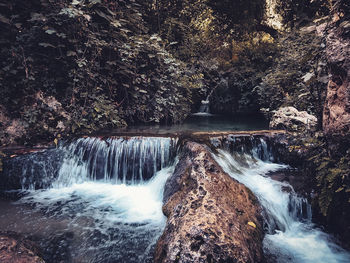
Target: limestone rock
(211, 217)
(14, 248)
(291, 119)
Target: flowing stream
(105, 205)
(100, 200)
(291, 236)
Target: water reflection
(204, 123)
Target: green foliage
(298, 55)
(87, 55)
(333, 179)
(140, 58)
(331, 172)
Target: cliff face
(211, 217)
(336, 115)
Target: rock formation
(292, 119)
(336, 115)
(211, 217)
(14, 248)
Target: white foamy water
(136, 203)
(106, 199)
(116, 160)
(291, 235)
(110, 222)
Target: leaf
(55, 141)
(75, 2)
(50, 31)
(116, 23)
(339, 189)
(251, 224)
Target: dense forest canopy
(70, 66)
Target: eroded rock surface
(14, 248)
(291, 119)
(336, 115)
(211, 217)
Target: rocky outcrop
(291, 119)
(14, 248)
(211, 217)
(336, 115)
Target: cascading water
(95, 200)
(204, 108)
(116, 160)
(105, 204)
(291, 236)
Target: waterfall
(106, 196)
(256, 146)
(117, 160)
(204, 108)
(290, 234)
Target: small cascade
(257, 146)
(106, 196)
(204, 108)
(118, 160)
(114, 160)
(291, 235)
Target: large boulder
(291, 119)
(211, 217)
(336, 114)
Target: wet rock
(336, 114)
(14, 248)
(211, 217)
(290, 118)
